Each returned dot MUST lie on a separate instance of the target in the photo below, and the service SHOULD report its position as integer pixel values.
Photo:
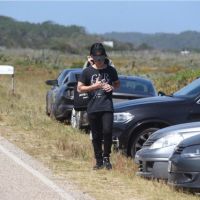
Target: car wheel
(76, 119)
(138, 141)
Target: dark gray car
(60, 98)
(136, 120)
(184, 164)
(154, 156)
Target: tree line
(49, 35)
(76, 40)
(187, 40)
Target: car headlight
(169, 140)
(172, 139)
(191, 152)
(122, 117)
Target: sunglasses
(99, 58)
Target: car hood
(144, 101)
(194, 140)
(120, 97)
(193, 128)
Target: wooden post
(13, 84)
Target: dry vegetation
(67, 151)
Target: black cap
(97, 49)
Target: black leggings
(101, 126)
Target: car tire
(138, 141)
(76, 117)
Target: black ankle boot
(106, 163)
(99, 164)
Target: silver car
(184, 165)
(154, 156)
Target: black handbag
(80, 100)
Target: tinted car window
(77, 76)
(62, 76)
(192, 89)
(67, 75)
(135, 86)
(65, 80)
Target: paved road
(20, 181)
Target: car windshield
(132, 86)
(62, 76)
(191, 90)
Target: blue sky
(107, 16)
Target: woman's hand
(90, 60)
(106, 87)
(98, 84)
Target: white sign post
(9, 70)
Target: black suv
(135, 120)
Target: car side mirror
(52, 82)
(160, 93)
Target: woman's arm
(109, 88)
(83, 88)
(116, 84)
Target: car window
(71, 78)
(135, 87)
(65, 80)
(192, 89)
(77, 76)
(62, 76)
